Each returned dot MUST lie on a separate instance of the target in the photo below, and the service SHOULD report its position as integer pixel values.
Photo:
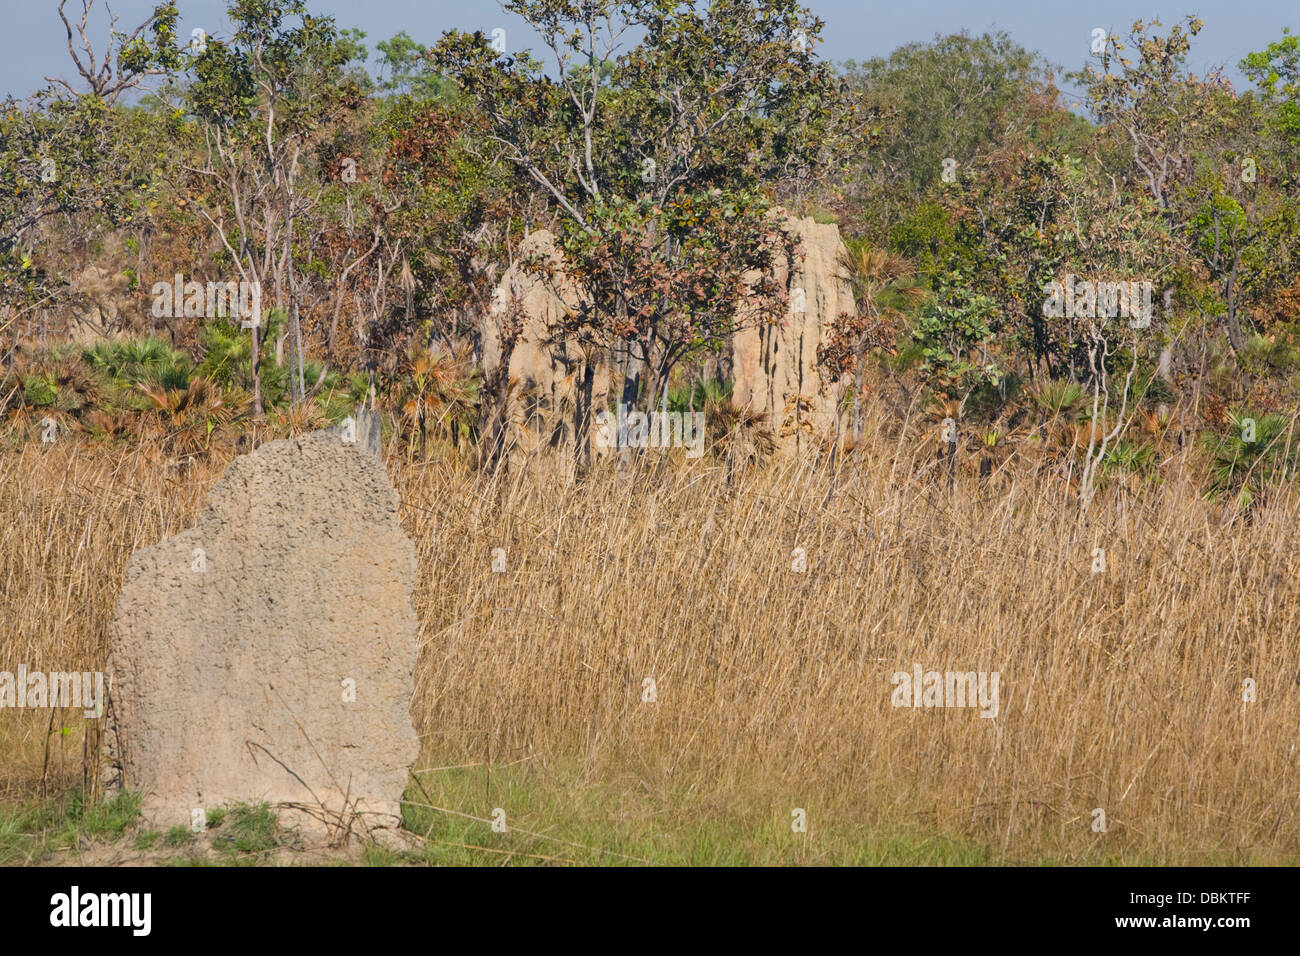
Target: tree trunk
(257, 369)
(582, 412)
(1235, 338)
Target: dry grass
(1120, 690)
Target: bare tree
(1099, 439)
(137, 57)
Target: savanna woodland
(1063, 446)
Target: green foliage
(952, 97)
(59, 158)
(680, 293)
(1276, 72)
(227, 362)
(155, 50)
(696, 397)
(1269, 356)
(993, 394)
(227, 353)
(958, 97)
(1060, 399)
(658, 162)
(134, 361)
(251, 829)
(404, 70)
(278, 52)
(1257, 452)
(451, 206)
(953, 331)
(923, 233)
(40, 390)
(1219, 216)
(436, 393)
(178, 836)
(1130, 456)
(104, 818)
(658, 165)
(54, 378)
(29, 833)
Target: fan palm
(1257, 452)
(438, 392)
(185, 418)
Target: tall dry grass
(1120, 690)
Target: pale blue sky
(32, 42)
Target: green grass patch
(178, 836)
(32, 832)
(252, 829)
(557, 818)
(524, 815)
